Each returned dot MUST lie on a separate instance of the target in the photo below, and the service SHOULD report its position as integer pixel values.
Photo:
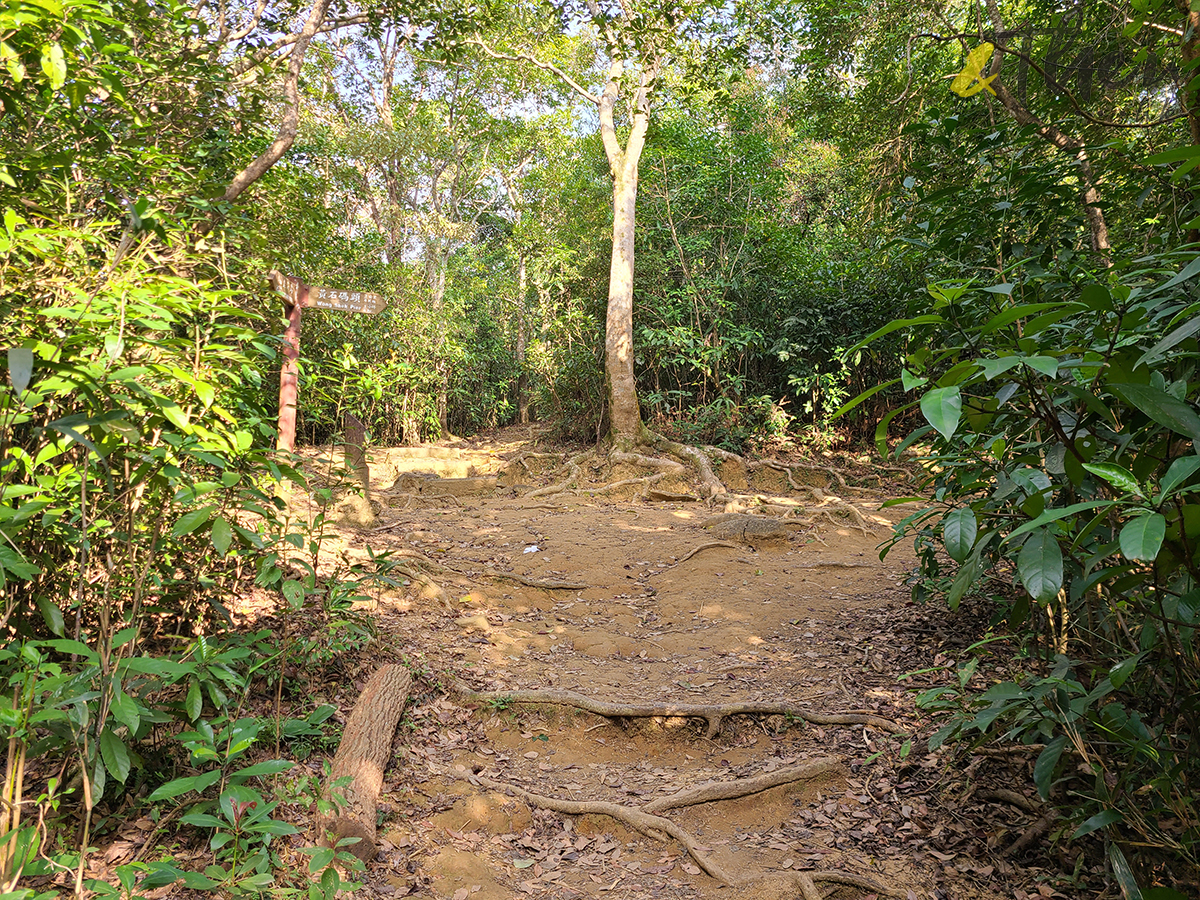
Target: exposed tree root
(429, 587)
(669, 497)
(710, 485)
(712, 713)
(666, 466)
(659, 828)
(1012, 797)
(550, 584)
(711, 545)
(625, 482)
(573, 471)
(743, 787)
(652, 826)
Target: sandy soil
(813, 618)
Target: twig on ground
(711, 545)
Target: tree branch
(533, 60)
(291, 116)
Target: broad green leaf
(52, 616)
(54, 64)
(12, 61)
(116, 757)
(1053, 515)
(179, 786)
(1120, 673)
(894, 325)
(959, 528)
(909, 381)
(942, 408)
(125, 710)
(1189, 271)
(1123, 873)
(1142, 537)
(1161, 407)
(1118, 476)
(1098, 821)
(190, 521)
(1047, 762)
(1040, 565)
(221, 535)
(194, 702)
(20, 368)
(1047, 365)
(1178, 336)
(294, 592)
(1180, 471)
(1177, 154)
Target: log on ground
(362, 755)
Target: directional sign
(345, 301)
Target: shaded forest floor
(809, 616)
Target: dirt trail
(810, 618)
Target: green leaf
(1177, 154)
(197, 783)
(1047, 762)
(194, 702)
(52, 616)
(1120, 673)
(1098, 821)
(294, 592)
(1180, 471)
(1178, 336)
(116, 757)
(189, 522)
(12, 61)
(1123, 873)
(54, 65)
(1142, 537)
(20, 368)
(221, 535)
(1053, 515)
(1118, 476)
(125, 710)
(1161, 407)
(909, 381)
(942, 408)
(959, 528)
(1047, 365)
(1040, 565)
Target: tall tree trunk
(624, 413)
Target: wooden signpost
(299, 296)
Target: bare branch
(533, 60)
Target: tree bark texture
(624, 413)
(362, 755)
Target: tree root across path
(713, 713)
(672, 461)
(648, 822)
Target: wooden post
(354, 448)
(296, 292)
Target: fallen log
(362, 756)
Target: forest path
(811, 618)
